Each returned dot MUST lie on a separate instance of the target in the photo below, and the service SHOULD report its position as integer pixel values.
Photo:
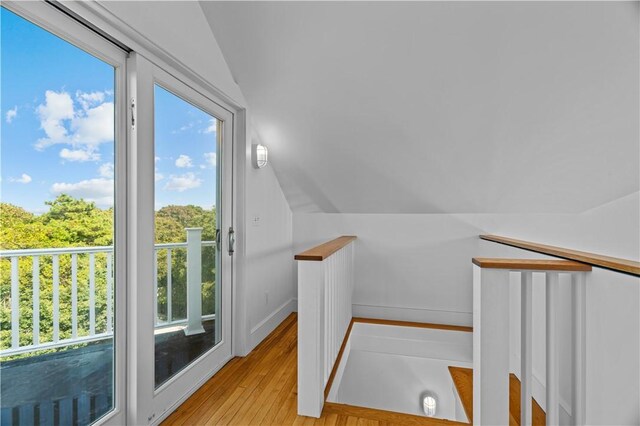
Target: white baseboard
(413, 314)
(267, 325)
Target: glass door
(184, 149)
(62, 252)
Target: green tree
(75, 222)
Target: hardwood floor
(261, 389)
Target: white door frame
(148, 405)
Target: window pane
(56, 230)
(185, 233)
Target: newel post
(311, 325)
(194, 282)
(490, 346)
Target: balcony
(57, 365)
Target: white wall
(418, 267)
(270, 279)
(181, 30)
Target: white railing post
(552, 381)
(15, 303)
(109, 293)
(526, 349)
(74, 295)
(490, 346)
(311, 338)
(92, 294)
(579, 348)
(169, 288)
(35, 275)
(56, 297)
(194, 282)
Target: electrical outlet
(256, 221)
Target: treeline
(72, 222)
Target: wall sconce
(260, 155)
(429, 403)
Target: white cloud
(99, 190)
(89, 99)
(11, 114)
(89, 124)
(94, 126)
(57, 108)
(212, 126)
(106, 170)
(24, 178)
(80, 155)
(184, 161)
(187, 126)
(159, 176)
(210, 158)
(183, 182)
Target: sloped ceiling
(440, 107)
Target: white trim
(412, 314)
(271, 322)
(239, 299)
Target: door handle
(232, 241)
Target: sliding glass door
(182, 228)
(116, 227)
(62, 254)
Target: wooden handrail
(321, 252)
(530, 264)
(607, 262)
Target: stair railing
(491, 338)
(325, 288)
(491, 329)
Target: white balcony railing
(192, 322)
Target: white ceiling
(440, 107)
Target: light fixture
(429, 403)
(260, 155)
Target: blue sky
(57, 127)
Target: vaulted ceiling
(440, 107)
